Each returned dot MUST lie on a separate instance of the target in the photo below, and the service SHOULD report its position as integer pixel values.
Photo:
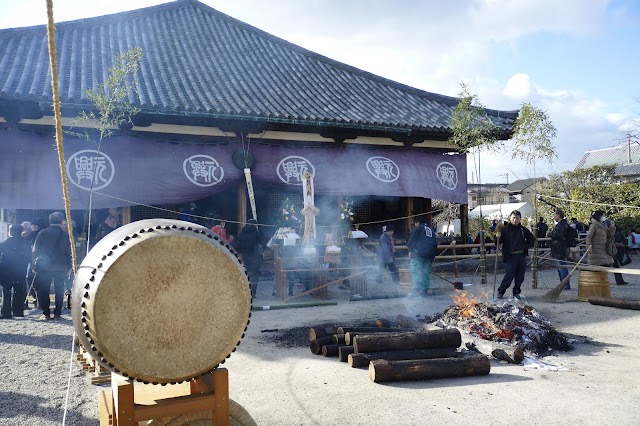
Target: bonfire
(515, 325)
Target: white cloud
(518, 86)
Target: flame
(465, 303)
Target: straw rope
(58, 118)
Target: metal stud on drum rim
(161, 301)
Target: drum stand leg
(208, 393)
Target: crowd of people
(36, 257)
(605, 243)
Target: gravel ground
(284, 384)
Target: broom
(553, 294)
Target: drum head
(169, 304)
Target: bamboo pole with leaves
(533, 135)
(114, 105)
(474, 131)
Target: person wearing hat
(559, 246)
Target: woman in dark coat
(597, 237)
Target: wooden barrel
(405, 279)
(161, 301)
(593, 283)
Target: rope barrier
(588, 202)
(134, 203)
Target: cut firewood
(406, 322)
(338, 338)
(345, 330)
(362, 360)
(316, 345)
(344, 352)
(331, 350)
(449, 338)
(425, 369)
(514, 358)
(317, 332)
(348, 338)
(615, 303)
(487, 347)
(383, 322)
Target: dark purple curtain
(131, 170)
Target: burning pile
(515, 325)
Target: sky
(578, 60)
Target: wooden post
(409, 214)
(126, 215)
(242, 204)
(123, 405)
(534, 259)
(483, 258)
(280, 279)
(464, 222)
(455, 262)
(221, 393)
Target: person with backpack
(560, 245)
(423, 248)
(15, 254)
(516, 242)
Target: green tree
(582, 191)
(114, 104)
(533, 135)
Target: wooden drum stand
(121, 406)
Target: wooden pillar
(126, 215)
(242, 205)
(409, 214)
(427, 208)
(464, 222)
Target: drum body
(161, 301)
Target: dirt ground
(596, 383)
(276, 378)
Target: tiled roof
(523, 184)
(486, 187)
(200, 62)
(610, 156)
(630, 170)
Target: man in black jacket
(516, 242)
(15, 254)
(559, 246)
(542, 231)
(51, 261)
(248, 245)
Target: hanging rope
(61, 163)
(58, 118)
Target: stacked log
(416, 352)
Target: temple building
(216, 96)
